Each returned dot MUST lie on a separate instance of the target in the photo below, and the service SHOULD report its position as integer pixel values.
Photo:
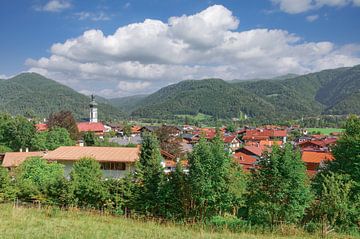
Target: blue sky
(273, 37)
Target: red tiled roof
(316, 157)
(253, 149)
(14, 159)
(102, 154)
(243, 158)
(41, 127)
(89, 126)
(258, 134)
(229, 139)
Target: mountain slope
(126, 104)
(212, 97)
(31, 93)
(334, 91)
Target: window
(113, 166)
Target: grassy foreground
(50, 223)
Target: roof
(228, 139)
(14, 159)
(243, 158)
(136, 129)
(41, 127)
(258, 134)
(90, 126)
(316, 157)
(102, 154)
(253, 149)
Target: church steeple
(93, 110)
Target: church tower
(93, 110)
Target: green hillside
(334, 91)
(31, 93)
(126, 104)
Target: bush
(228, 222)
(86, 184)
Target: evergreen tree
(278, 188)
(148, 177)
(347, 154)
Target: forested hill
(31, 93)
(334, 91)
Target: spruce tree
(148, 177)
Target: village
(245, 145)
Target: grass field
(49, 223)
(198, 117)
(326, 131)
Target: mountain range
(329, 92)
(31, 94)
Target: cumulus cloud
(54, 6)
(299, 6)
(142, 57)
(312, 18)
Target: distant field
(198, 117)
(50, 223)
(325, 131)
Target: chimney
(20, 149)
(27, 150)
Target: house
(315, 160)
(13, 159)
(96, 127)
(317, 145)
(170, 166)
(135, 130)
(231, 142)
(247, 161)
(115, 162)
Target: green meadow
(26, 223)
(326, 131)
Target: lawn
(326, 131)
(50, 223)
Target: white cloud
(100, 16)
(142, 57)
(312, 18)
(299, 6)
(54, 6)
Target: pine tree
(278, 189)
(148, 177)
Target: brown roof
(104, 154)
(316, 157)
(14, 159)
(90, 126)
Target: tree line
(214, 190)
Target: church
(93, 125)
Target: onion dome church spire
(93, 110)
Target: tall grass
(25, 223)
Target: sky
(117, 48)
